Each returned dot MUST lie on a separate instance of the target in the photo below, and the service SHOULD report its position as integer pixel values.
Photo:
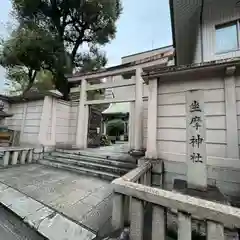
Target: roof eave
(147, 76)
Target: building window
(227, 37)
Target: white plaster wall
(171, 143)
(15, 122)
(26, 119)
(171, 122)
(171, 128)
(31, 122)
(62, 126)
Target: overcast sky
(143, 25)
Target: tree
(17, 81)
(27, 52)
(71, 24)
(115, 127)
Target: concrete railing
(217, 216)
(122, 202)
(14, 155)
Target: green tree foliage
(17, 81)
(56, 31)
(115, 127)
(29, 51)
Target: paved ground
(12, 228)
(83, 199)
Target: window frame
(224, 25)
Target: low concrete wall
(227, 179)
(26, 119)
(223, 165)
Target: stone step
(102, 161)
(101, 154)
(82, 170)
(88, 165)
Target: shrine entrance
(94, 127)
(111, 87)
(108, 124)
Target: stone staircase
(102, 165)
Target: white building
(206, 42)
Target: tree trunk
(62, 85)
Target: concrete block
(156, 179)
(37, 217)
(224, 174)
(23, 157)
(15, 157)
(158, 168)
(99, 215)
(175, 167)
(36, 156)
(158, 223)
(215, 231)
(228, 188)
(91, 200)
(184, 227)
(77, 210)
(6, 159)
(3, 187)
(137, 219)
(142, 161)
(30, 156)
(169, 177)
(57, 227)
(8, 196)
(118, 211)
(25, 206)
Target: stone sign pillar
(196, 140)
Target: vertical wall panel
(172, 116)
(32, 122)
(63, 117)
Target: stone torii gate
(136, 103)
(130, 78)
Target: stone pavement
(84, 200)
(12, 228)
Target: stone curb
(44, 220)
